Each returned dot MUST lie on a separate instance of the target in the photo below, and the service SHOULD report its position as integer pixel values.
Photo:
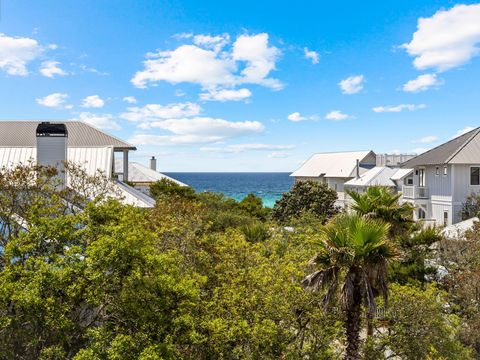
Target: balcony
(415, 192)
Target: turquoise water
(268, 186)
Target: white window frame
(445, 170)
(423, 171)
(437, 170)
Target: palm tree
(353, 257)
(379, 202)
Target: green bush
(256, 232)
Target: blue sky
(250, 85)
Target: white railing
(415, 192)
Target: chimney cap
(49, 129)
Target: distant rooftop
(23, 134)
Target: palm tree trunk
(353, 323)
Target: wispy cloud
(55, 100)
(422, 83)
(311, 55)
(337, 115)
(352, 84)
(398, 108)
(426, 139)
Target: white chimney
(52, 146)
(153, 163)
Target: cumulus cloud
(311, 55)
(447, 39)
(153, 112)
(422, 83)
(238, 148)
(55, 100)
(101, 121)
(226, 95)
(16, 53)
(398, 108)
(296, 117)
(352, 84)
(93, 101)
(196, 131)
(337, 115)
(426, 139)
(249, 60)
(130, 99)
(52, 68)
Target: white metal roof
(139, 173)
(334, 164)
(400, 174)
(21, 133)
(90, 159)
(133, 197)
(379, 175)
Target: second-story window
(475, 175)
(437, 171)
(445, 171)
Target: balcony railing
(415, 192)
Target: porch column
(125, 165)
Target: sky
(245, 85)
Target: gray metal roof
(23, 134)
(464, 149)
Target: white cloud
(93, 101)
(16, 53)
(215, 43)
(463, 131)
(101, 121)
(313, 56)
(337, 115)
(237, 148)
(426, 139)
(154, 112)
(55, 100)
(447, 39)
(296, 116)
(422, 83)
(196, 131)
(398, 108)
(248, 61)
(130, 99)
(260, 60)
(52, 68)
(352, 84)
(226, 95)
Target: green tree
(354, 253)
(167, 187)
(379, 202)
(253, 206)
(305, 196)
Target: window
(421, 213)
(445, 218)
(445, 171)
(475, 175)
(421, 177)
(437, 171)
(409, 181)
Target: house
(386, 176)
(50, 143)
(141, 176)
(335, 169)
(443, 178)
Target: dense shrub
(306, 196)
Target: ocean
(269, 186)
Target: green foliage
(418, 325)
(256, 232)
(166, 187)
(305, 197)
(353, 256)
(253, 206)
(471, 207)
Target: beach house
(335, 169)
(443, 178)
(51, 143)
